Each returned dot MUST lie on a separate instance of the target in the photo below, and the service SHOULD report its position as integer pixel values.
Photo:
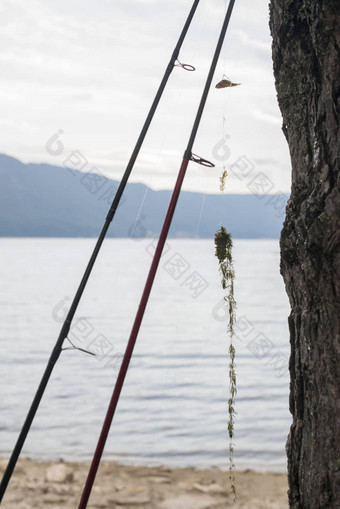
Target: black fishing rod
(188, 156)
(68, 321)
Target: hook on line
(226, 83)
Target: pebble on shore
(39, 485)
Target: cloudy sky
(90, 68)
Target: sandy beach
(58, 485)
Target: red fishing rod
(188, 156)
(111, 213)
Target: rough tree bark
(306, 52)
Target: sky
(79, 77)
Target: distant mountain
(40, 200)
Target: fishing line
(204, 198)
(224, 137)
(137, 220)
(111, 213)
(188, 156)
(224, 118)
(203, 202)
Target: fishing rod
(174, 62)
(188, 156)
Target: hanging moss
(223, 252)
(222, 180)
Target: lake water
(173, 407)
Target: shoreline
(58, 485)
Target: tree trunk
(306, 39)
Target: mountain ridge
(42, 200)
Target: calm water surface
(173, 407)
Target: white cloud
(92, 69)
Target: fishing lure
(225, 83)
